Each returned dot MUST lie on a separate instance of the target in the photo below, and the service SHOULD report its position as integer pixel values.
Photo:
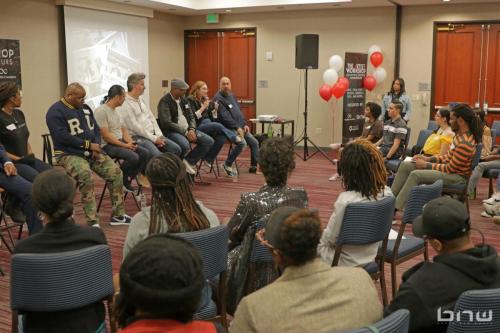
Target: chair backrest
(493, 137)
(419, 196)
(423, 135)
(396, 322)
(477, 156)
(47, 282)
(260, 253)
(476, 311)
(366, 222)
(212, 244)
(432, 125)
(496, 126)
(48, 151)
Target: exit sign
(212, 18)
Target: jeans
(250, 140)
(133, 161)
(20, 188)
(203, 145)
(219, 133)
(478, 173)
(30, 171)
(170, 146)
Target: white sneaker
(485, 214)
(335, 146)
(334, 177)
(494, 198)
(189, 168)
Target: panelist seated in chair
(433, 286)
(178, 123)
(161, 283)
(439, 142)
(118, 143)
(77, 145)
(452, 168)
(394, 137)
(53, 194)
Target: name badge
(230, 106)
(187, 106)
(86, 111)
(11, 127)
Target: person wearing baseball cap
(310, 296)
(430, 287)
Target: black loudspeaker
(306, 51)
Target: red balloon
(338, 90)
(369, 82)
(344, 82)
(376, 58)
(325, 92)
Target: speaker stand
(305, 156)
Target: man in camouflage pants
(77, 148)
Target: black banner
(10, 61)
(354, 98)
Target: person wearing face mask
(397, 93)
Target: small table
(281, 122)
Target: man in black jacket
(178, 124)
(430, 288)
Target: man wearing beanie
(310, 296)
(430, 287)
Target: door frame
(434, 42)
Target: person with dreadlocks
(161, 283)
(364, 178)
(173, 208)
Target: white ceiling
(201, 7)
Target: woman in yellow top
(439, 142)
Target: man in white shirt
(140, 121)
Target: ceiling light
(228, 10)
(446, 0)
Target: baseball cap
(273, 233)
(443, 218)
(179, 84)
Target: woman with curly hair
(364, 179)
(276, 160)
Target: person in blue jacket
(397, 93)
(232, 118)
(77, 144)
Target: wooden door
(202, 58)
(492, 71)
(458, 65)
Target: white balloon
(374, 48)
(330, 76)
(379, 74)
(336, 62)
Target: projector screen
(103, 49)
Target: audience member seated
(53, 194)
(173, 207)
(276, 162)
(77, 145)
(452, 168)
(140, 121)
(373, 129)
(161, 283)
(433, 286)
(438, 143)
(19, 188)
(397, 93)
(364, 179)
(310, 296)
(118, 143)
(231, 117)
(395, 130)
(487, 139)
(179, 125)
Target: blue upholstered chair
(212, 244)
(423, 135)
(402, 249)
(365, 223)
(393, 165)
(396, 322)
(483, 304)
(50, 282)
(492, 173)
(432, 125)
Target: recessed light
(446, 0)
(228, 10)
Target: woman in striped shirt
(452, 168)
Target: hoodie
(431, 285)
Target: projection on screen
(103, 49)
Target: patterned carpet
(223, 194)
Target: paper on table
(409, 159)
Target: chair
(461, 189)
(432, 125)
(479, 312)
(48, 150)
(401, 250)
(492, 173)
(396, 322)
(495, 126)
(50, 282)
(212, 244)
(393, 165)
(365, 223)
(4, 197)
(423, 135)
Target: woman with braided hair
(173, 208)
(364, 179)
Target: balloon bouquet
(379, 74)
(333, 85)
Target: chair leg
(394, 281)
(102, 196)
(383, 286)
(15, 322)
(426, 251)
(20, 231)
(223, 299)
(490, 188)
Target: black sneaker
(228, 170)
(252, 169)
(121, 220)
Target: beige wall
(417, 43)
(340, 30)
